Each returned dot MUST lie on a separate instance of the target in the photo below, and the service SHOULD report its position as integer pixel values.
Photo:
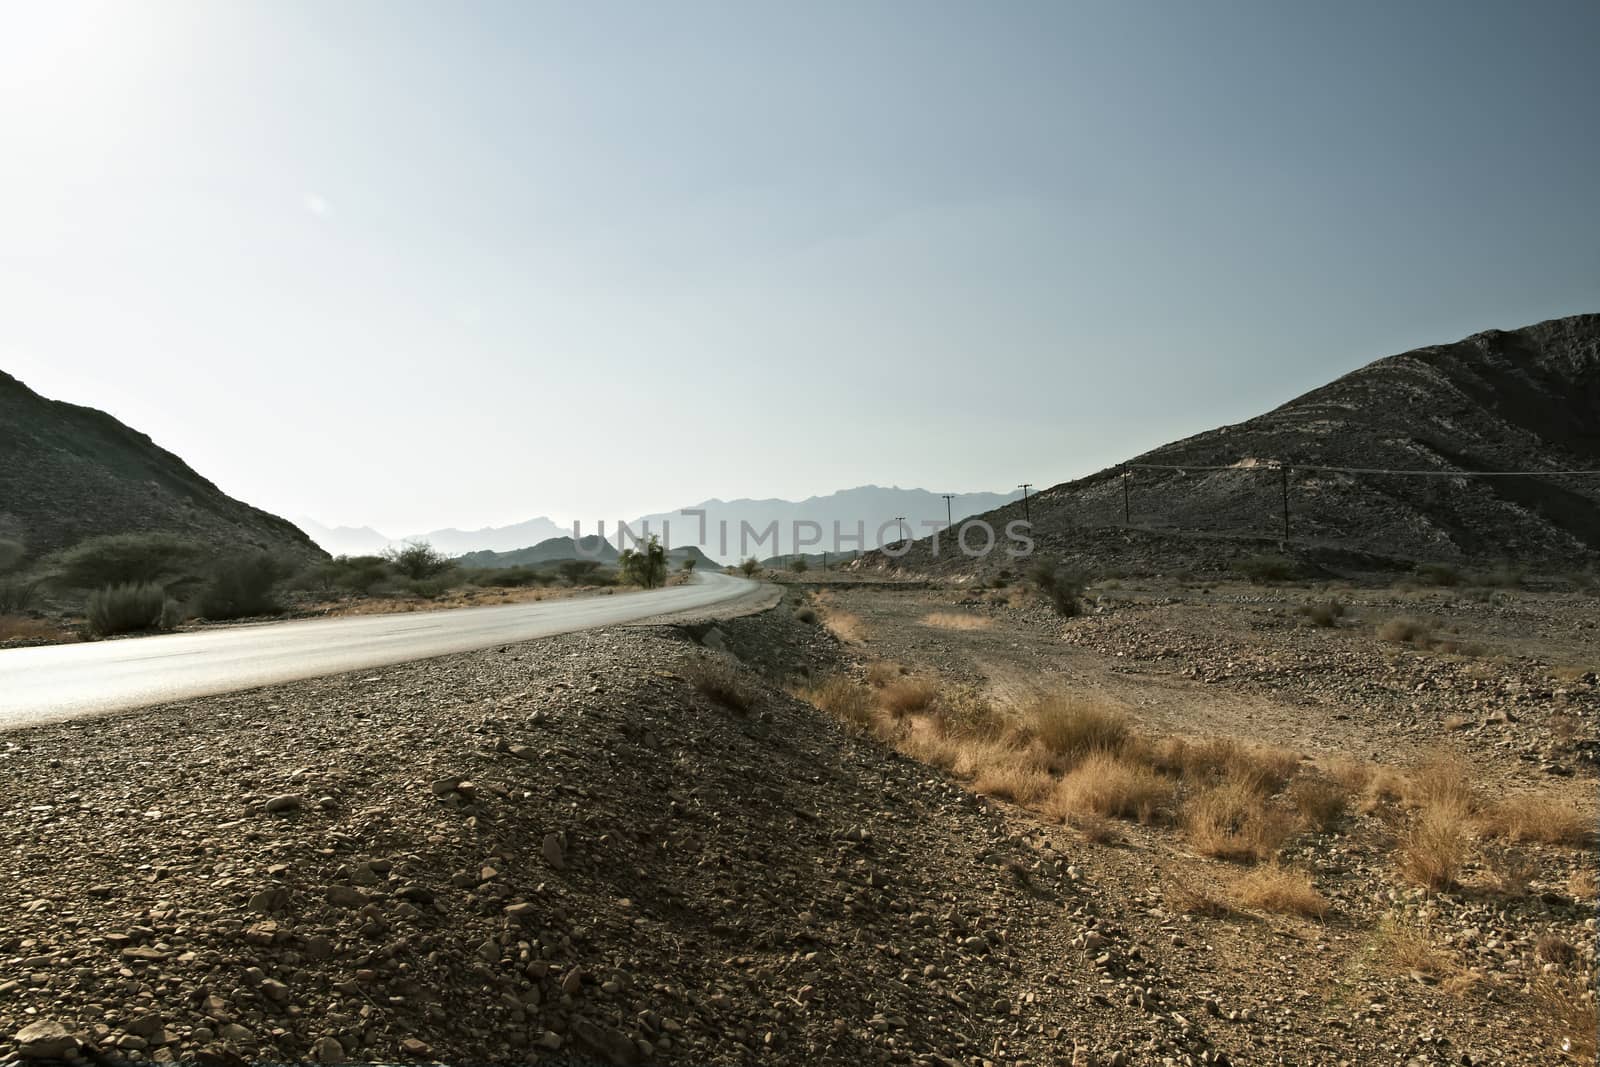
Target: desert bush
(1008, 773)
(1280, 889)
(1583, 884)
(1072, 727)
(1216, 760)
(430, 588)
(1266, 568)
(1542, 819)
(1104, 784)
(721, 683)
(750, 566)
(416, 560)
(964, 713)
(1507, 870)
(1233, 821)
(1406, 631)
(1442, 574)
(578, 571)
(953, 620)
(517, 577)
(1434, 848)
(129, 559)
(1325, 613)
(359, 574)
(799, 565)
(907, 695)
(1570, 1006)
(1063, 588)
(17, 596)
(687, 566)
(645, 566)
(881, 672)
(1322, 802)
(845, 699)
(241, 585)
(1186, 896)
(130, 608)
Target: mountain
(1517, 400)
(68, 473)
(872, 507)
(491, 538)
(560, 548)
(345, 540)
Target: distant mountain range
(733, 529)
(563, 548)
(69, 473)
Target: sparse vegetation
(720, 682)
(750, 566)
(240, 586)
(907, 695)
(1406, 631)
(1434, 848)
(1105, 784)
(1234, 822)
(1266, 568)
(1063, 588)
(1271, 887)
(1322, 802)
(129, 608)
(950, 620)
(1073, 727)
(416, 560)
(1325, 613)
(1542, 819)
(799, 565)
(17, 596)
(578, 572)
(845, 699)
(645, 566)
(129, 559)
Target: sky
(419, 265)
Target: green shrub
(1266, 568)
(430, 588)
(17, 596)
(578, 571)
(130, 559)
(416, 560)
(750, 566)
(646, 566)
(799, 565)
(1063, 588)
(240, 586)
(688, 565)
(130, 608)
(511, 577)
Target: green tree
(417, 559)
(688, 565)
(645, 566)
(750, 566)
(577, 571)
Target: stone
(554, 854)
(269, 900)
(413, 1046)
(328, 1050)
(523, 912)
(45, 1040)
(285, 802)
(234, 1032)
(275, 991)
(612, 1045)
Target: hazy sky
(435, 264)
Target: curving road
(65, 681)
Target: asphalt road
(57, 682)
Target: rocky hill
(1519, 400)
(68, 473)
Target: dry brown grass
(908, 695)
(18, 627)
(881, 672)
(845, 625)
(1096, 830)
(1011, 774)
(1354, 775)
(721, 683)
(1434, 848)
(950, 620)
(1214, 760)
(1553, 948)
(1570, 1007)
(1185, 895)
(1073, 727)
(964, 712)
(1507, 871)
(1443, 781)
(1545, 819)
(1234, 822)
(1583, 885)
(845, 699)
(1410, 949)
(1105, 784)
(1322, 802)
(1406, 631)
(1280, 889)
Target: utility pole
(901, 521)
(948, 521)
(1126, 474)
(1026, 514)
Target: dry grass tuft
(1074, 727)
(1186, 896)
(1553, 948)
(1508, 871)
(1354, 775)
(963, 712)
(1104, 784)
(1012, 775)
(1260, 768)
(1409, 950)
(1434, 848)
(1571, 1007)
(1545, 819)
(1322, 802)
(1234, 822)
(1406, 631)
(721, 683)
(1444, 781)
(1095, 830)
(907, 696)
(1583, 885)
(845, 699)
(881, 672)
(1280, 889)
(950, 620)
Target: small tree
(241, 585)
(799, 565)
(417, 559)
(750, 566)
(645, 567)
(688, 565)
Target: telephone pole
(901, 521)
(1025, 486)
(1126, 474)
(948, 520)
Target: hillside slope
(1519, 400)
(68, 473)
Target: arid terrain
(898, 823)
